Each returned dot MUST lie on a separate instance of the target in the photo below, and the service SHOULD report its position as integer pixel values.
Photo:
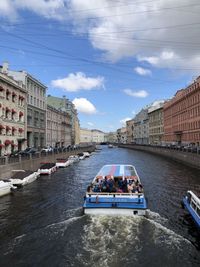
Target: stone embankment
(33, 164)
(187, 158)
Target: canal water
(43, 224)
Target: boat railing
(194, 201)
(113, 194)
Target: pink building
(182, 116)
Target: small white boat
(74, 158)
(63, 162)
(22, 177)
(5, 188)
(86, 154)
(47, 168)
(81, 155)
(110, 146)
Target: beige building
(130, 131)
(98, 136)
(58, 127)
(111, 137)
(12, 115)
(85, 135)
(156, 126)
(122, 135)
(65, 104)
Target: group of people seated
(115, 185)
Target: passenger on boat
(124, 186)
(104, 185)
(89, 189)
(120, 183)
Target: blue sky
(111, 58)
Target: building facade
(12, 115)
(36, 108)
(130, 131)
(98, 136)
(156, 124)
(66, 105)
(182, 116)
(122, 135)
(58, 128)
(85, 135)
(111, 137)
(141, 127)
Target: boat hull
(5, 189)
(191, 211)
(115, 212)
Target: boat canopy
(118, 170)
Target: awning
(14, 111)
(21, 113)
(7, 109)
(21, 130)
(8, 128)
(1, 88)
(7, 91)
(1, 126)
(7, 142)
(14, 129)
(2, 145)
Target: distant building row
(29, 118)
(175, 121)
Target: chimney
(5, 67)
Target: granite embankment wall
(34, 163)
(187, 158)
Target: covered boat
(115, 190)
(23, 177)
(63, 162)
(47, 168)
(192, 203)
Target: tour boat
(5, 188)
(115, 190)
(47, 168)
(192, 203)
(22, 177)
(63, 162)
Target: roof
(117, 170)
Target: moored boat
(74, 158)
(63, 162)
(47, 168)
(23, 177)
(115, 190)
(5, 188)
(192, 203)
(110, 146)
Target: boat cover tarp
(117, 171)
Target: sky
(111, 58)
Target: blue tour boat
(192, 203)
(115, 190)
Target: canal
(42, 224)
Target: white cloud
(90, 124)
(84, 106)
(78, 81)
(144, 30)
(123, 121)
(141, 93)
(142, 71)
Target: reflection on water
(43, 223)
